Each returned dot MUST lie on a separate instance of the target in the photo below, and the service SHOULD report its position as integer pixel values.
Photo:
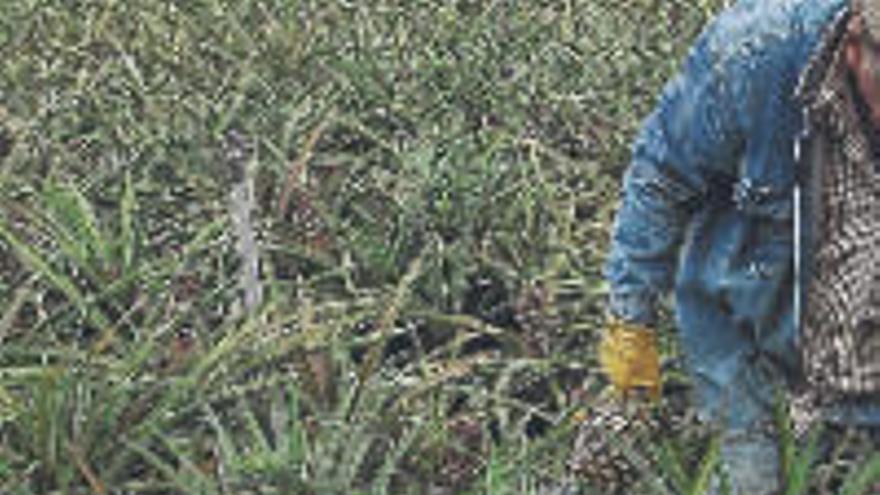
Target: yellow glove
(628, 356)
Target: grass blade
(865, 478)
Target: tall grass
(432, 186)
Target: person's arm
(695, 133)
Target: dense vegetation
(319, 247)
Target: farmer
(752, 197)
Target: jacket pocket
(759, 201)
(768, 214)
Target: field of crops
(323, 247)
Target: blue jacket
(709, 210)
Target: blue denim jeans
(750, 462)
(752, 466)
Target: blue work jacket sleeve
(693, 136)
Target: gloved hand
(628, 356)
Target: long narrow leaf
(866, 477)
(708, 467)
(40, 265)
(127, 236)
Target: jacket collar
(823, 57)
(825, 90)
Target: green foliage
(676, 464)
(796, 466)
(865, 479)
(429, 176)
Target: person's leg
(738, 372)
(739, 398)
(750, 462)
